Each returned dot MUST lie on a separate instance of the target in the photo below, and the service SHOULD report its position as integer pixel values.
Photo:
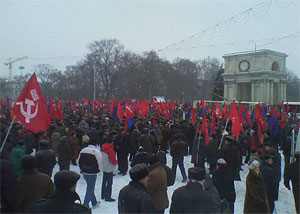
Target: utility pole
(94, 78)
(21, 68)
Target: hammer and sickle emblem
(27, 114)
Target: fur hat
(139, 172)
(254, 164)
(197, 174)
(28, 162)
(85, 138)
(221, 162)
(65, 179)
(154, 159)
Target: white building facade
(257, 76)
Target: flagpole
(223, 134)
(12, 122)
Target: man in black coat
(140, 157)
(223, 181)
(121, 146)
(291, 172)
(64, 198)
(134, 198)
(8, 180)
(177, 153)
(270, 179)
(64, 154)
(46, 159)
(193, 198)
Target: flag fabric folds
(30, 108)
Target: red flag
(236, 126)
(213, 120)
(259, 135)
(218, 111)
(30, 108)
(204, 129)
(282, 121)
(120, 111)
(241, 108)
(259, 118)
(193, 116)
(224, 109)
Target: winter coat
(232, 157)
(46, 160)
(291, 172)
(8, 188)
(64, 153)
(60, 202)
(134, 142)
(15, 158)
(157, 186)
(75, 147)
(109, 161)
(33, 186)
(192, 198)
(276, 165)
(199, 151)
(270, 180)
(170, 174)
(134, 198)
(256, 200)
(140, 157)
(177, 150)
(54, 141)
(147, 141)
(90, 160)
(121, 144)
(223, 181)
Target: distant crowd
(97, 142)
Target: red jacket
(109, 150)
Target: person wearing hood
(63, 201)
(32, 185)
(109, 164)
(46, 158)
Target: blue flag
(272, 124)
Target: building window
(275, 66)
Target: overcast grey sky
(57, 32)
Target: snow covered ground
(285, 203)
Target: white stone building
(257, 76)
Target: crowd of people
(96, 142)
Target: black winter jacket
(46, 160)
(193, 199)
(223, 181)
(61, 202)
(134, 198)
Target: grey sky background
(57, 32)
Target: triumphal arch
(256, 76)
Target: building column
(252, 91)
(284, 91)
(267, 91)
(271, 93)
